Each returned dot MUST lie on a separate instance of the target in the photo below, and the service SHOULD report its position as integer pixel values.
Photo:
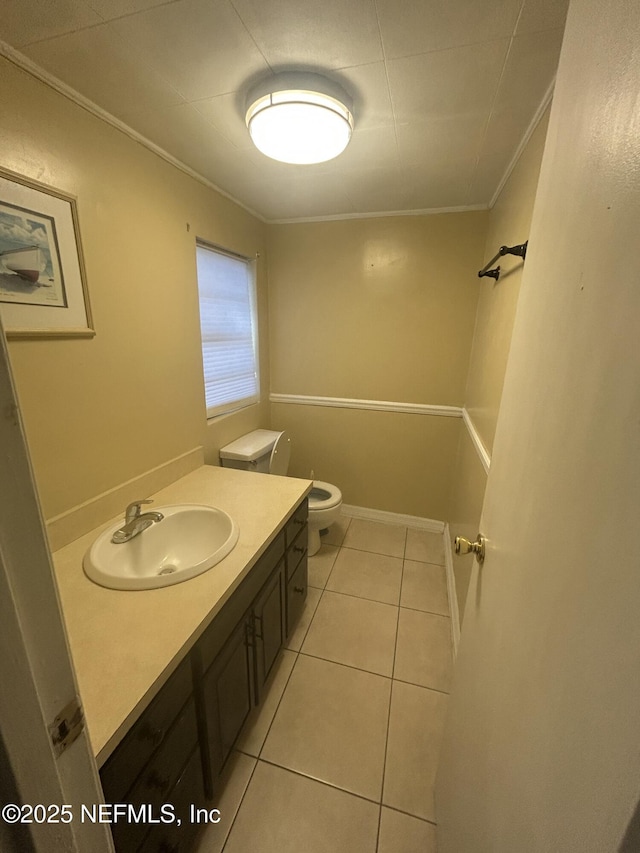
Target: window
(226, 284)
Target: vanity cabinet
(296, 566)
(154, 765)
(177, 749)
(235, 655)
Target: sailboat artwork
(28, 263)
(30, 268)
(43, 291)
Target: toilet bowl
(325, 501)
(268, 451)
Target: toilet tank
(250, 452)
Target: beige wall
(375, 309)
(540, 751)
(509, 222)
(101, 411)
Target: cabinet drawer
(122, 768)
(174, 838)
(296, 552)
(296, 593)
(296, 522)
(158, 778)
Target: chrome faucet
(135, 522)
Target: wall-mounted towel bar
(520, 250)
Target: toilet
(267, 452)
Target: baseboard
(451, 590)
(78, 520)
(393, 518)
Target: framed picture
(43, 290)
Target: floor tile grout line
(322, 782)
(378, 601)
(409, 814)
(298, 653)
(424, 562)
(335, 787)
(386, 739)
(361, 597)
(295, 663)
(235, 817)
(429, 612)
(371, 672)
(421, 686)
(347, 665)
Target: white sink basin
(189, 540)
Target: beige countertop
(125, 644)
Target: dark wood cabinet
(268, 615)
(148, 766)
(227, 697)
(296, 561)
(176, 751)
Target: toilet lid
(280, 455)
(324, 495)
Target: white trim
(483, 453)
(388, 406)
(546, 100)
(451, 591)
(35, 662)
(80, 519)
(26, 64)
(393, 518)
(373, 405)
(428, 211)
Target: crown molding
(25, 64)
(535, 121)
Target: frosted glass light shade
(299, 125)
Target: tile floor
(341, 756)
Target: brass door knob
(463, 546)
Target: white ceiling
(444, 90)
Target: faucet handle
(133, 510)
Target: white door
(542, 745)
(36, 674)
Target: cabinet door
(268, 619)
(137, 748)
(157, 780)
(179, 837)
(227, 695)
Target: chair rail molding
(474, 435)
(390, 406)
(373, 405)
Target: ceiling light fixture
(299, 118)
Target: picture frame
(43, 287)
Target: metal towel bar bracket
(520, 250)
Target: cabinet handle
(299, 549)
(248, 635)
(257, 618)
(298, 589)
(299, 521)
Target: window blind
(228, 328)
